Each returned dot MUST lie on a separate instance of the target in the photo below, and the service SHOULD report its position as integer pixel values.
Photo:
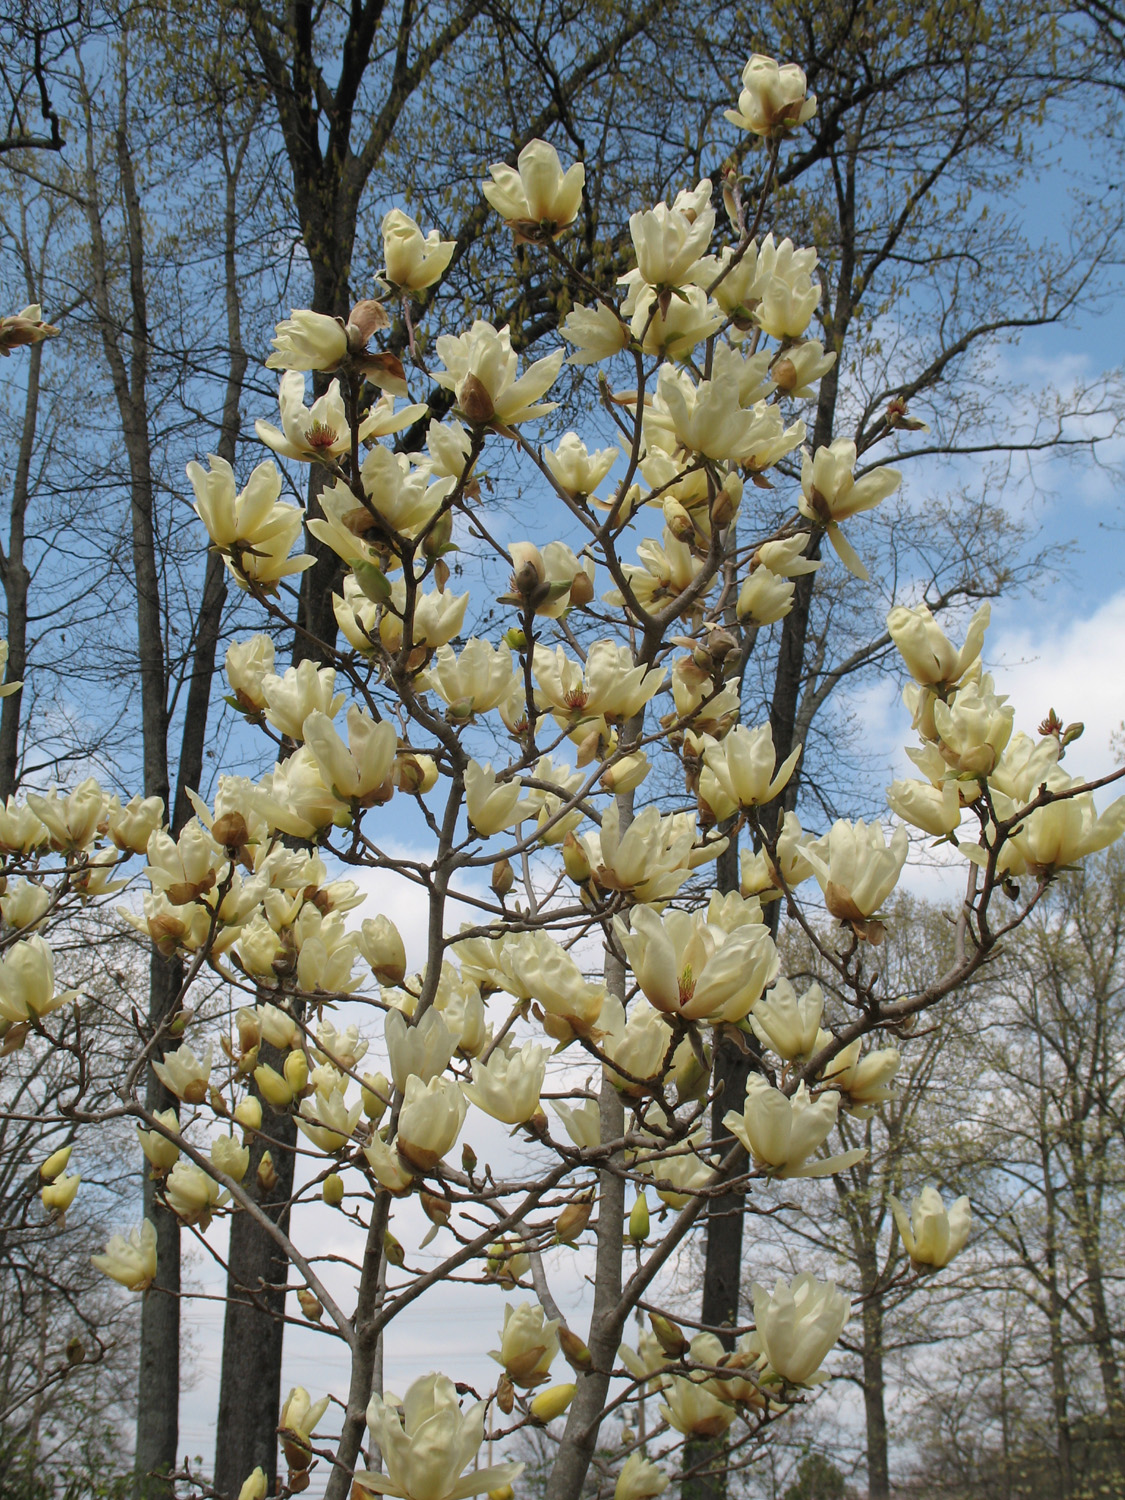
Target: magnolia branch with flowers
(601, 944)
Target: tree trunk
(253, 1330)
(16, 580)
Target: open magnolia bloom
(539, 200)
(745, 766)
(831, 493)
(322, 430)
(413, 261)
(427, 1443)
(528, 1344)
(480, 368)
(798, 1323)
(774, 99)
(1056, 835)
(932, 659)
(132, 1261)
(781, 1134)
(931, 1236)
(857, 870)
(687, 968)
(669, 241)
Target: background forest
(173, 179)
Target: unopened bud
(503, 877)
(515, 638)
(581, 590)
(506, 1394)
(75, 1350)
(574, 1350)
(727, 501)
(248, 1113)
(267, 1175)
(296, 1070)
(576, 862)
(55, 1163)
(332, 1189)
(376, 1094)
(275, 1090)
(678, 521)
(552, 1402)
(254, 1487)
(310, 1305)
(574, 1218)
(669, 1335)
(639, 1221)
(392, 1249)
(468, 1159)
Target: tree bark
(16, 580)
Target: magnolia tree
(595, 945)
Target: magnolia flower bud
(248, 1113)
(255, 1486)
(551, 1403)
(639, 1220)
(332, 1189)
(639, 1479)
(161, 1153)
(528, 1344)
(55, 1163)
(58, 1195)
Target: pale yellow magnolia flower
(774, 99)
(687, 968)
(679, 1176)
(8, 688)
(20, 830)
(691, 317)
(57, 1196)
(797, 368)
(184, 1074)
(534, 967)
(27, 982)
(449, 447)
(538, 200)
(695, 1411)
(830, 493)
(651, 859)
(865, 1080)
(480, 368)
(745, 765)
(253, 529)
(932, 659)
(255, 1486)
(344, 1048)
(326, 1118)
(413, 261)
(596, 332)
(308, 341)
(192, 1195)
(577, 470)
(132, 1261)
(507, 1086)
(931, 1236)
(429, 1121)
(787, 294)
(582, 1122)
(765, 598)
(161, 1153)
(856, 868)
(640, 1046)
(669, 241)
(1059, 834)
(183, 868)
(422, 1050)
(390, 1170)
(71, 821)
(610, 685)
(934, 809)
(438, 617)
(760, 875)
(299, 1417)
(360, 770)
(303, 690)
(493, 805)
(427, 1443)
(639, 1479)
(786, 558)
(528, 1344)
(788, 1025)
(798, 1323)
(380, 943)
(131, 826)
(404, 502)
(321, 431)
(475, 681)
(26, 327)
(230, 1157)
(781, 1134)
(25, 905)
(544, 580)
(1023, 768)
(974, 727)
